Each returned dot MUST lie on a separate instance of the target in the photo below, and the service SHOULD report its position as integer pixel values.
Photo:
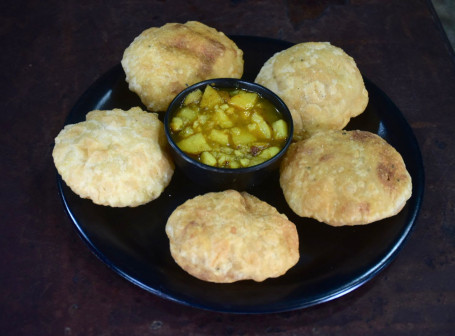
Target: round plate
(333, 261)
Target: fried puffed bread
(345, 178)
(115, 158)
(229, 236)
(162, 61)
(320, 84)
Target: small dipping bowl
(215, 178)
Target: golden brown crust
(345, 178)
(320, 84)
(229, 236)
(163, 61)
(115, 158)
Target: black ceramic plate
(333, 262)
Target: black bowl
(214, 178)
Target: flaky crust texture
(115, 158)
(229, 236)
(320, 84)
(345, 178)
(162, 61)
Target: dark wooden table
(52, 51)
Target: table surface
(50, 282)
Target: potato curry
(228, 128)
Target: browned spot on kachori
(386, 174)
(361, 136)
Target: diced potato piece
(269, 152)
(210, 98)
(253, 127)
(193, 97)
(225, 160)
(196, 127)
(219, 137)
(230, 110)
(226, 150)
(264, 128)
(256, 160)
(238, 152)
(177, 124)
(244, 162)
(257, 118)
(242, 137)
(221, 119)
(234, 164)
(208, 159)
(194, 144)
(187, 113)
(199, 122)
(244, 100)
(224, 107)
(222, 159)
(186, 132)
(202, 118)
(280, 129)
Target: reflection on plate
(333, 262)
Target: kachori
(320, 84)
(116, 158)
(162, 61)
(229, 236)
(345, 178)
